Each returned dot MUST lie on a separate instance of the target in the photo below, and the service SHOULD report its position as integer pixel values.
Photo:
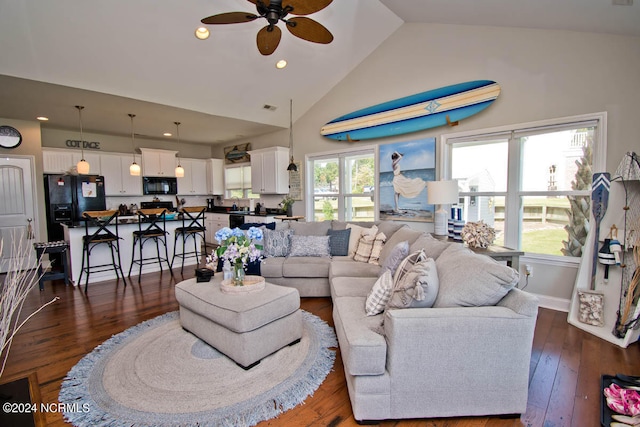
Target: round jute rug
(157, 374)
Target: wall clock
(9, 137)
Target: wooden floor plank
(565, 371)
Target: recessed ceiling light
(42, 118)
(202, 33)
(167, 134)
(281, 64)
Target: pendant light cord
(80, 108)
(133, 144)
(178, 136)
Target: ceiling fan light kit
(274, 11)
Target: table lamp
(441, 193)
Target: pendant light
(82, 166)
(134, 169)
(179, 168)
(292, 166)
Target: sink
(240, 212)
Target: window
(342, 186)
(237, 182)
(532, 182)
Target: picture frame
(404, 169)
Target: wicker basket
(251, 284)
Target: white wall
(543, 74)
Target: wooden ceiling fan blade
(305, 7)
(268, 39)
(229, 18)
(310, 30)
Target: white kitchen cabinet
(194, 181)
(117, 179)
(269, 174)
(62, 160)
(213, 223)
(215, 176)
(158, 162)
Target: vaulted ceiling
(118, 57)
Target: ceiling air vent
(269, 107)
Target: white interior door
(18, 223)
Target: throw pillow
(406, 264)
(309, 246)
(277, 242)
(366, 245)
(395, 257)
(418, 288)
(379, 294)
(378, 244)
(402, 234)
(470, 280)
(339, 242)
(356, 233)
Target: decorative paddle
(600, 187)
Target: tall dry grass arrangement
(14, 290)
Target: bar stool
(151, 226)
(61, 248)
(192, 227)
(104, 222)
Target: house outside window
(341, 186)
(531, 182)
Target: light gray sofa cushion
(353, 269)
(272, 267)
(351, 286)
(364, 351)
(431, 246)
(317, 228)
(389, 227)
(342, 225)
(470, 280)
(306, 267)
(402, 234)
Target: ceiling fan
(273, 11)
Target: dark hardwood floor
(566, 363)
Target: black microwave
(159, 185)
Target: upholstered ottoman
(245, 327)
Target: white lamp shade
(83, 167)
(134, 169)
(442, 192)
(179, 172)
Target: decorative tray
(251, 284)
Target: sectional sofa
(466, 355)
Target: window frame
(341, 195)
(245, 190)
(514, 194)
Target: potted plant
(287, 205)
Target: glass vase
(238, 274)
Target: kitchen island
(126, 226)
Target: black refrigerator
(67, 196)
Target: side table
(499, 253)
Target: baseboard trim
(553, 303)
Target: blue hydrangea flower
(236, 232)
(223, 234)
(254, 233)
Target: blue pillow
(248, 225)
(339, 242)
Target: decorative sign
(237, 153)
(88, 145)
(295, 182)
